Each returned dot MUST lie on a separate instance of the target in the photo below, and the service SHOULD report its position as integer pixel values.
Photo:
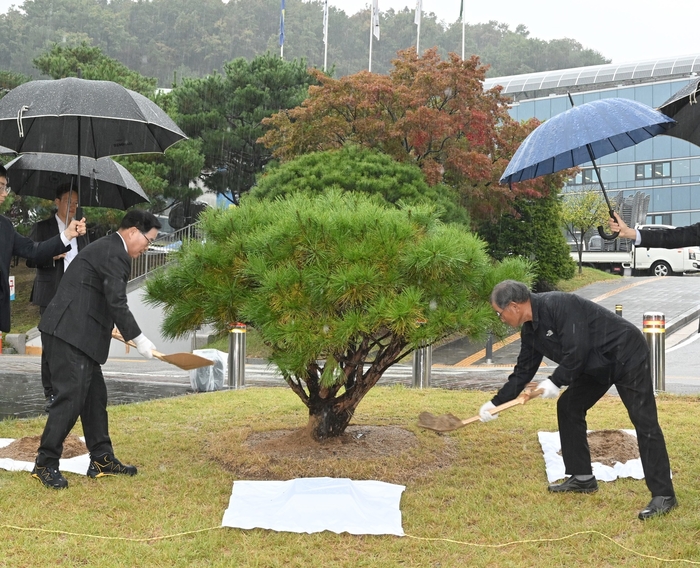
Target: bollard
(618, 309)
(489, 349)
(236, 355)
(422, 364)
(654, 328)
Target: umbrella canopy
(684, 108)
(582, 134)
(110, 183)
(4, 150)
(82, 117)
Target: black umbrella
(110, 183)
(684, 108)
(4, 150)
(83, 118)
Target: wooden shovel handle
(521, 399)
(118, 336)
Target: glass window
(609, 174)
(681, 171)
(644, 94)
(661, 198)
(695, 169)
(695, 196)
(626, 173)
(662, 92)
(661, 147)
(643, 152)
(695, 217)
(559, 104)
(681, 198)
(543, 109)
(679, 148)
(680, 219)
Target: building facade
(664, 168)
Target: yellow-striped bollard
(654, 328)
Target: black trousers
(45, 374)
(80, 390)
(637, 394)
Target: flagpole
(371, 35)
(282, 30)
(419, 10)
(325, 36)
(461, 14)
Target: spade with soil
(449, 422)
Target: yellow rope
(537, 540)
(473, 544)
(150, 539)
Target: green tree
(533, 231)
(226, 113)
(581, 211)
(336, 284)
(68, 61)
(353, 168)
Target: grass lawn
(486, 505)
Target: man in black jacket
(595, 349)
(76, 331)
(14, 244)
(49, 274)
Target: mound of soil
(24, 449)
(611, 446)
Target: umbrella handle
(603, 234)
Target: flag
(325, 22)
(419, 9)
(375, 18)
(461, 10)
(282, 24)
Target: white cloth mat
(78, 464)
(554, 463)
(316, 504)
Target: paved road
(458, 365)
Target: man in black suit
(49, 274)
(76, 330)
(14, 244)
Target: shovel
(449, 422)
(186, 361)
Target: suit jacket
(588, 341)
(14, 244)
(671, 238)
(91, 299)
(48, 274)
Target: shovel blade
(186, 361)
(444, 423)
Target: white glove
(484, 413)
(550, 389)
(144, 346)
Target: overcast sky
(622, 30)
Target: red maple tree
(430, 111)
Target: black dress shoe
(575, 485)
(658, 506)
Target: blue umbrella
(582, 134)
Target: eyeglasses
(500, 314)
(4, 188)
(150, 241)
